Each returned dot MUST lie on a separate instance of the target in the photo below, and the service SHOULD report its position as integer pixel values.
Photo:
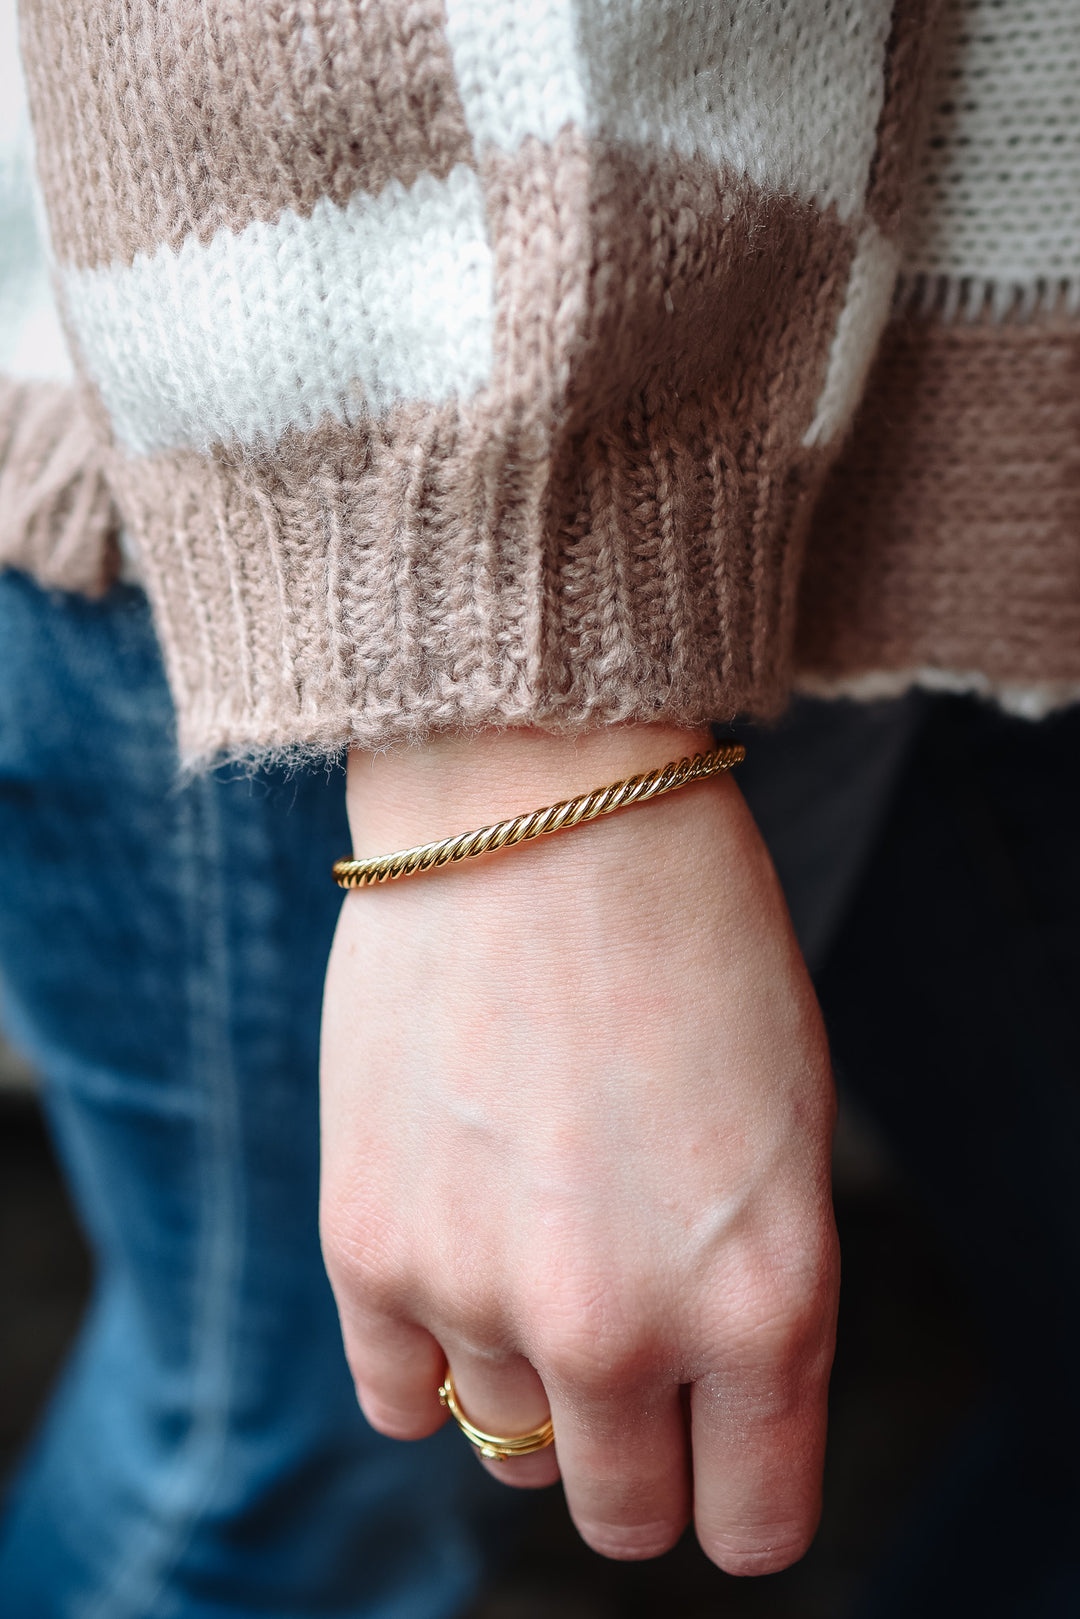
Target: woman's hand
(577, 1111)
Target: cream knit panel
(995, 211)
(337, 315)
(786, 95)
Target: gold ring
(494, 1446)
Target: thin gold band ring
(495, 1447)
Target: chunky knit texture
(463, 362)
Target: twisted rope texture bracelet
(538, 823)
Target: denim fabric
(162, 949)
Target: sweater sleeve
(945, 549)
(57, 519)
(471, 362)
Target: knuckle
(761, 1552)
(367, 1270)
(593, 1340)
(393, 1421)
(629, 1542)
(789, 1326)
(474, 1321)
(537, 1472)
(593, 1366)
(783, 1313)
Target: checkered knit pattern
(470, 362)
(946, 546)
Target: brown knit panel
(619, 274)
(907, 58)
(949, 533)
(57, 519)
(156, 119)
(690, 377)
(610, 531)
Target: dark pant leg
(820, 785)
(936, 845)
(953, 1004)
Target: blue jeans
(162, 949)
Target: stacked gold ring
(495, 1447)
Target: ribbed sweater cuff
(438, 575)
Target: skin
(577, 1111)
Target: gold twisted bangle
(538, 823)
(493, 1446)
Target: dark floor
(906, 1371)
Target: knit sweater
(56, 514)
(558, 362)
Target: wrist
(410, 795)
